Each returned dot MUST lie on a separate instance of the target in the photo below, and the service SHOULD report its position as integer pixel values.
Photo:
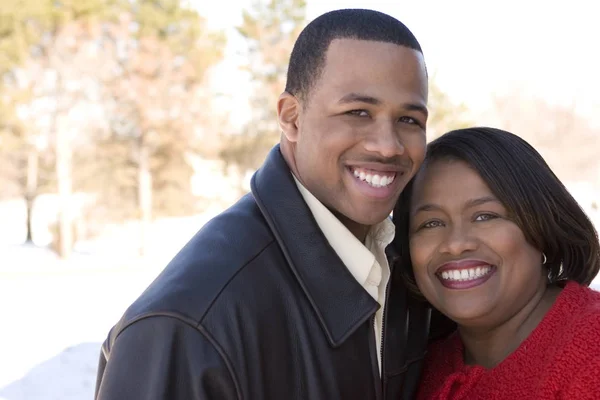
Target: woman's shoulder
(580, 318)
(581, 305)
(576, 364)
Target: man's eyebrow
(359, 98)
(418, 108)
(364, 98)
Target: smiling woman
(463, 237)
(499, 246)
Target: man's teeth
(375, 180)
(465, 274)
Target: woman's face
(470, 260)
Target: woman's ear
(288, 110)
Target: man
(282, 295)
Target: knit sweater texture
(559, 360)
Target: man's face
(360, 135)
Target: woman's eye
(432, 224)
(485, 217)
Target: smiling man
(283, 295)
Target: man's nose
(385, 141)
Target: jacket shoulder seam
(198, 328)
(233, 276)
(204, 332)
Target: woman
(499, 246)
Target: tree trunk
(144, 196)
(29, 205)
(64, 181)
(31, 189)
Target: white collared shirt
(366, 262)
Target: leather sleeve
(164, 358)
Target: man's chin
(375, 220)
(369, 218)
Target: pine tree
(444, 114)
(156, 103)
(270, 30)
(41, 37)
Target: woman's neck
(489, 346)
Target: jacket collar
(339, 301)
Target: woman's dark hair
(550, 218)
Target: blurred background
(126, 124)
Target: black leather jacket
(258, 306)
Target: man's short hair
(308, 56)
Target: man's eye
(409, 120)
(358, 113)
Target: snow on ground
(55, 314)
(53, 324)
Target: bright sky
(476, 48)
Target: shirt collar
(357, 257)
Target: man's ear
(288, 112)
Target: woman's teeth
(465, 274)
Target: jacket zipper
(383, 325)
(374, 362)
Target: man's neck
(358, 230)
(488, 347)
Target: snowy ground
(56, 314)
(54, 323)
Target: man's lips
(376, 179)
(377, 167)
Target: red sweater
(559, 360)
